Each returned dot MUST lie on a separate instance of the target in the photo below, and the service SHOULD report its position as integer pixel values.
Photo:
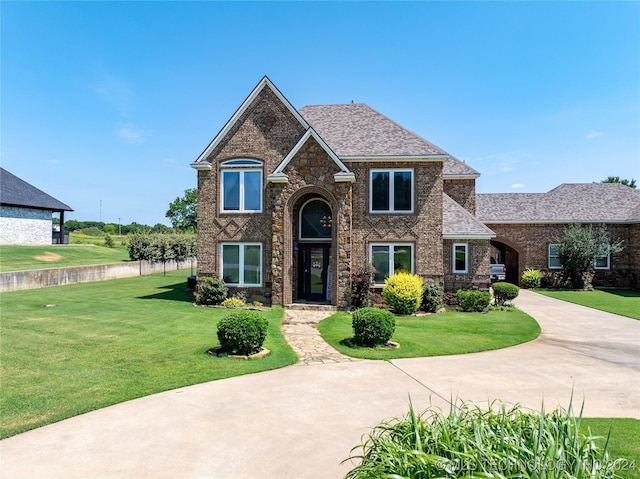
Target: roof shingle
(458, 222)
(17, 192)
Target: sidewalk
(302, 421)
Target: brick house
(292, 202)
(528, 224)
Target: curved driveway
(300, 422)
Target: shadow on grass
(625, 293)
(172, 292)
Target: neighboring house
(528, 225)
(292, 202)
(26, 213)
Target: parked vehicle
(498, 271)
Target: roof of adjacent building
(457, 222)
(355, 130)
(567, 203)
(17, 192)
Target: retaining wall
(42, 278)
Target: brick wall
(477, 276)
(462, 192)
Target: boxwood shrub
(473, 301)
(210, 291)
(504, 292)
(372, 326)
(243, 332)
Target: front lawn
(441, 334)
(625, 302)
(72, 349)
(18, 258)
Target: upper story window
(241, 186)
(391, 191)
(315, 220)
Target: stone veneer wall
(25, 226)
(531, 241)
(422, 228)
(462, 192)
(478, 266)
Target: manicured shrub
(473, 301)
(243, 332)
(432, 297)
(232, 303)
(403, 292)
(372, 326)
(210, 291)
(361, 288)
(499, 441)
(504, 292)
(531, 278)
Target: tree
(616, 179)
(183, 212)
(578, 248)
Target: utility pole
(119, 227)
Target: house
(25, 213)
(527, 226)
(292, 202)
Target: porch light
(326, 221)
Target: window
(460, 258)
(391, 191)
(241, 186)
(242, 264)
(315, 220)
(388, 259)
(554, 257)
(603, 261)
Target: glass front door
(313, 266)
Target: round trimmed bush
(473, 301)
(531, 278)
(372, 326)
(403, 292)
(211, 291)
(243, 332)
(504, 292)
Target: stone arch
(510, 256)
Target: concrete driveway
(302, 421)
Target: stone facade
(25, 226)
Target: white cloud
(518, 185)
(131, 134)
(594, 134)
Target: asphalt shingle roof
(17, 192)
(456, 221)
(569, 202)
(357, 130)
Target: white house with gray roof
(26, 213)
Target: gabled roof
(459, 223)
(356, 131)
(17, 192)
(278, 176)
(264, 83)
(567, 203)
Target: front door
(313, 265)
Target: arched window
(315, 220)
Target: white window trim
(391, 190)
(466, 258)
(549, 257)
(390, 247)
(240, 165)
(241, 263)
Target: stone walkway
(300, 330)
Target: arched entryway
(506, 254)
(313, 242)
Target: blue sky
(105, 104)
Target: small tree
(361, 287)
(578, 247)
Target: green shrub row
(162, 247)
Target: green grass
(17, 258)
(81, 238)
(625, 302)
(107, 342)
(442, 334)
(624, 440)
